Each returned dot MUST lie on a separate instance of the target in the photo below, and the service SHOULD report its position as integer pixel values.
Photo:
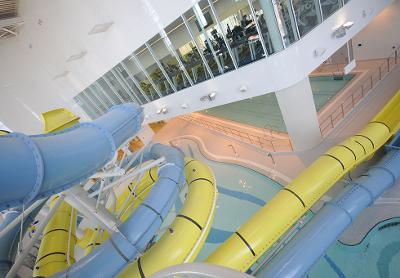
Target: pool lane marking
(334, 267)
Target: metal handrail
(275, 145)
(328, 123)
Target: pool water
(378, 255)
(242, 192)
(263, 111)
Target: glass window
(308, 15)
(218, 34)
(145, 85)
(186, 49)
(130, 83)
(328, 7)
(98, 102)
(286, 21)
(198, 24)
(117, 87)
(149, 63)
(105, 85)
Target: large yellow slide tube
(187, 234)
(256, 236)
(56, 250)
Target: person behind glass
(229, 33)
(244, 22)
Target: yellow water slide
(183, 240)
(256, 236)
(56, 250)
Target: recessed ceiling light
(77, 56)
(100, 28)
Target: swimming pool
(263, 111)
(242, 192)
(378, 255)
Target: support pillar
(300, 115)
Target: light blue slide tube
(33, 167)
(123, 247)
(9, 241)
(295, 259)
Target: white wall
(53, 31)
(379, 37)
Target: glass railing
(211, 38)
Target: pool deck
(283, 167)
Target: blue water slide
(136, 232)
(295, 259)
(9, 241)
(33, 167)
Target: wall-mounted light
(163, 110)
(340, 32)
(243, 89)
(210, 97)
(185, 106)
(348, 24)
(319, 51)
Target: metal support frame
(130, 175)
(160, 66)
(260, 34)
(78, 198)
(320, 10)
(139, 65)
(19, 261)
(214, 12)
(221, 70)
(203, 59)
(105, 78)
(171, 49)
(125, 86)
(18, 219)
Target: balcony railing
(328, 123)
(264, 142)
